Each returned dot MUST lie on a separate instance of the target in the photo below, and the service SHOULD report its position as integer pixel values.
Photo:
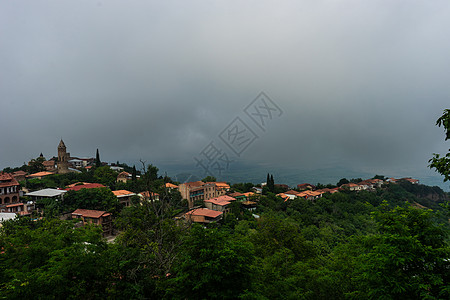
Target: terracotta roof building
(351, 186)
(124, 196)
(149, 195)
(305, 186)
(124, 177)
(411, 180)
(9, 193)
(20, 175)
(98, 217)
(49, 165)
(283, 196)
(85, 185)
(39, 175)
(200, 191)
(171, 185)
(203, 215)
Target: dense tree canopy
(442, 163)
(50, 259)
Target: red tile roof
(283, 196)
(124, 174)
(327, 190)
(292, 192)
(6, 176)
(48, 163)
(19, 173)
(410, 180)
(7, 179)
(218, 202)
(89, 213)
(171, 185)
(225, 198)
(194, 183)
(76, 183)
(119, 193)
(85, 186)
(40, 174)
(14, 205)
(236, 194)
(220, 184)
(204, 212)
(305, 185)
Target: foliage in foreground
(346, 245)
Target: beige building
(200, 191)
(124, 177)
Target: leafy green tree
(147, 247)
(105, 175)
(355, 180)
(243, 187)
(406, 259)
(274, 232)
(50, 259)
(212, 266)
(97, 199)
(50, 207)
(151, 173)
(342, 181)
(442, 164)
(36, 165)
(209, 179)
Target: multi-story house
(9, 194)
(124, 197)
(98, 217)
(198, 191)
(124, 177)
(203, 215)
(219, 203)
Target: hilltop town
(85, 228)
(24, 194)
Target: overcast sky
(358, 83)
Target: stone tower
(63, 159)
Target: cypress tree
(133, 174)
(272, 183)
(98, 163)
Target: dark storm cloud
(359, 83)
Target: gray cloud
(360, 83)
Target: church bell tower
(63, 159)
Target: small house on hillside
(203, 215)
(305, 186)
(124, 197)
(124, 177)
(98, 217)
